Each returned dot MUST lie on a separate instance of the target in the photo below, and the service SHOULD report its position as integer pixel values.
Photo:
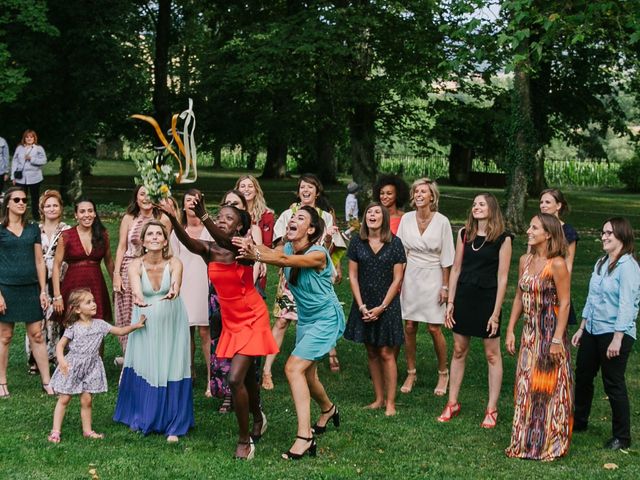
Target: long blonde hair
(259, 205)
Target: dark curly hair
(402, 189)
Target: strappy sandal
(252, 450)
(227, 405)
(334, 363)
(263, 428)
(449, 412)
(4, 391)
(335, 418)
(490, 419)
(93, 435)
(311, 451)
(267, 381)
(410, 381)
(441, 392)
(54, 436)
(33, 370)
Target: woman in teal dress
(155, 389)
(23, 290)
(308, 270)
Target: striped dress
(543, 392)
(123, 300)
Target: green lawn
(368, 445)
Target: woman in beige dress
(428, 243)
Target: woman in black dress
(477, 286)
(376, 268)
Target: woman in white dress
(428, 243)
(195, 280)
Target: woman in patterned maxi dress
(543, 416)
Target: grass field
(368, 445)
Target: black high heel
(320, 429)
(311, 451)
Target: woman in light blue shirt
(26, 168)
(608, 330)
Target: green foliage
(629, 173)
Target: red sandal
(449, 412)
(93, 435)
(490, 419)
(54, 436)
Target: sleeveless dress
(123, 300)
(18, 276)
(320, 316)
(86, 370)
(543, 391)
(245, 319)
(155, 389)
(84, 272)
(477, 286)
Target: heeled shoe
(252, 450)
(267, 381)
(490, 419)
(311, 451)
(320, 429)
(441, 392)
(410, 381)
(263, 428)
(449, 412)
(227, 405)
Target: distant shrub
(629, 173)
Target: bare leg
(6, 334)
(494, 360)
(279, 329)
(86, 402)
(389, 369)
(458, 361)
(39, 349)
(296, 371)
(60, 410)
(240, 365)
(192, 349)
(375, 369)
(410, 333)
(205, 342)
(440, 346)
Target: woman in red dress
(246, 331)
(83, 248)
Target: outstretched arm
(260, 253)
(218, 235)
(195, 246)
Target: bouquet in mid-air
(159, 174)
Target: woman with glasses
(608, 330)
(23, 284)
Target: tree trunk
(70, 177)
(364, 167)
(521, 155)
(275, 165)
(252, 159)
(217, 156)
(460, 164)
(161, 66)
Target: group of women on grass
(402, 266)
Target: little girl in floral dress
(81, 371)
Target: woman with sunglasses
(23, 284)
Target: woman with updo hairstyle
(608, 330)
(393, 193)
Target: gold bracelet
(257, 255)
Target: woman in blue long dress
(155, 389)
(321, 322)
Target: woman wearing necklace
(195, 283)
(23, 290)
(477, 286)
(83, 248)
(155, 392)
(51, 209)
(139, 212)
(392, 192)
(428, 243)
(543, 392)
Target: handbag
(17, 175)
